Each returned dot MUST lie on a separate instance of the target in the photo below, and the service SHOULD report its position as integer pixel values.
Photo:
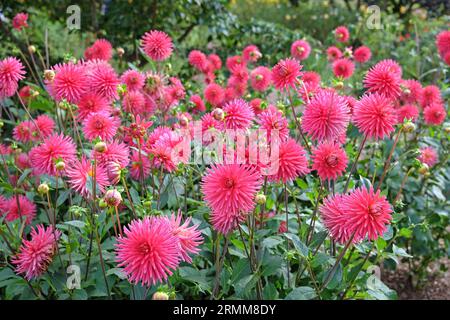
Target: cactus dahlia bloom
(443, 42)
(334, 218)
(189, 237)
(326, 117)
(54, 148)
(343, 67)
(362, 54)
(238, 114)
(428, 155)
(157, 45)
(11, 71)
(430, 94)
(260, 78)
(251, 53)
(300, 49)
(133, 79)
(290, 163)
(333, 53)
(214, 94)
(148, 251)
(101, 49)
(70, 82)
(230, 190)
(434, 114)
(35, 255)
(81, 177)
(384, 78)
(329, 160)
(19, 206)
(408, 111)
(100, 125)
(271, 120)
(375, 116)
(20, 21)
(342, 34)
(367, 213)
(285, 74)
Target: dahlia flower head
(363, 213)
(362, 54)
(229, 191)
(81, 175)
(407, 112)
(434, 114)
(149, 250)
(140, 166)
(214, 94)
(384, 78)
(343, 68)
(197, 103)
(20, 21)
(290, 163)
(428, 155)
(334, 53)
(157, 45)
(92, 103)
(18, 207)
(251, 53)
(189, 236)
(133, 79)
(100, 125)
(443, 43)
(273, 121)
(70, 82)
(198, 60)
(411, 91)
(28, 131)
(326, 116)
(215, 60)
(103, 79)
(11, 72)
(342, 34)
(375, 116)
(285, 74)
(329, 160)
(430, 95)
(56, 147)
(300, 49)
(235, 62)
(101, 49)
(36, 254)
(238, 114)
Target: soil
(435, 287)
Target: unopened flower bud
(60, 165)
(218, 114)
(49, 75)
(260, 198)
(34, 93)
(43, 188)
(31, 49)
(120, 51)
(409, 126)
(1, 124)
(102, 204)
(424, 168)
(113, 198)
(100, 147)
(147, 204)
(160, 296)
(259, 77)
(339, 85)
(447, 129)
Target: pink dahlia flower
(19, 207)
(189, 236)
(92, 103)
(290, 163)
(215, 61)
(100, 125)
(157, 45)
(375, 116)
(251, 53)
(20, 21)
(285, 74)
(272, 120)
(103, 79)
(408, 111)
(428, 155)
(238, 114)
(430, 94)
(133, 79)
(362, 54)
(198, 60)
(81, 177)
(199, 105)
(334, 53)
(230, 190)
(443, 42)
(214, 94)
(101, 49)
(334, 218)
(149, 251)
(134, 102)
(70, 82)
(11, 71)
(329, 160)
(367, 213)
(326, 117)
(54, 148)
(36, 254)
(300, 49)
(384, 78)
(140, 166)
(434, 114)
(411, 91)
(260, 78)
(343, 67)
(342, 34)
